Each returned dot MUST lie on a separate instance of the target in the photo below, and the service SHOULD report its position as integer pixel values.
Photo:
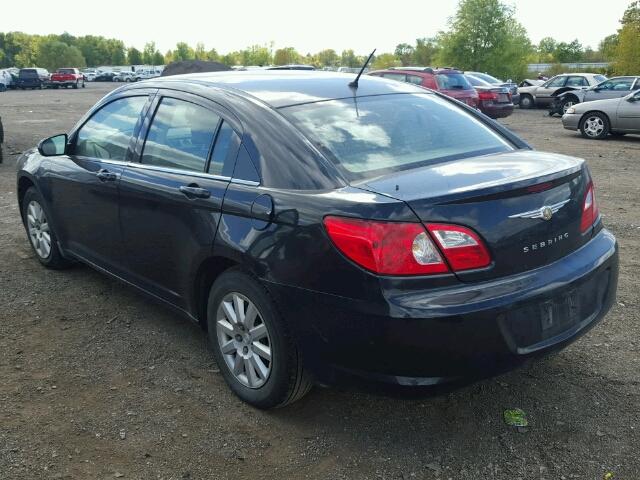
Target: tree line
(483, 35)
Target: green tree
(627, 53)
(200, 53)
(569, 52)
(327, 58)
(286, 56)
(183, 52)
(349, 59)
(158, 58)
(134, 56)
(256, 55)
(425, 51)
(405, 53)
(148, 53)
(213, 55)
(484, 35)
(53, 54)
(385, 60)
(116, 52)
(608, 47)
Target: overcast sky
(309, 26)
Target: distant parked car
(597, 119)
(5, 80)
(67, 77)
(543, 95)
(494, 100)
(89, 74)
(33, 78)
(512, 86)
(124, 76)
(146, 74)
(446, 80)
(615, 87)
(531, 82)
(104, 77)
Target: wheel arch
(586, 114)
(207, 273)
(24, 184)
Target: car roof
(279, 88)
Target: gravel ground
(98, 382)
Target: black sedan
(324, 231)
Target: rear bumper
(571, 121)
(496, 110)
(450, 334)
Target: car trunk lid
(503, 198)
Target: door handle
(193, 191)
(106, 175)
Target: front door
(84, 184)
(170, 201)
(629, 114)
(544, 91)
(614, 88)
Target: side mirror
(633, 99)
(52, 146)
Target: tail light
(487, 95)
(393, 248)
(590, 211)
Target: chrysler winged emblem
(545, 212)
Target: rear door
(171, 198)
(629, 114)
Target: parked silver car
(596, 120)
(615, 87)
(543, 95)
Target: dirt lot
(96, 381)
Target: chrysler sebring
(326, 231)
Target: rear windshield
(372, 136)
(486, 77)
(28, 73)
(67, 71)
(452, 81)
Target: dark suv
(449, 81)
(32, 78)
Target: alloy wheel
(567, 105)
(593, 126)
(244, 340)
(39, 231)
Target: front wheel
(75, 85)
(526, 101)
(595, 126)
(41, 235)
(567, 103)
(252, 344)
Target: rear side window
(415, 79)
(180, 136)
(452, 81)
(382, 134)
(224, 151)
(401, 77)
(577, 82)
(107, 133)
(28, 73)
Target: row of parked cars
(94, 75)
(593, 104)
(492, 96)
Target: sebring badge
(545, 212)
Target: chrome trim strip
(249, 183)
(179, 172)
(539, 212)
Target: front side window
(382, 134)
(556, 82)
(180, 136)
(619, 84)
(107, 133)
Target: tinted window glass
(477, 82)
(600, 78)
(107, 133)
(224, 151)
(486, 77)
(415, 79)
(180, 136)
(401, 77)
(67, 71)
(618, 84)
(452, 81)
(28, 73)
(577, 82)
(245, 169)
(392, 132)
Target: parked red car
(495, 101)
(448, 81)
(67, 77)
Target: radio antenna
(354, 84)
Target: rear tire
(75, 85)
(595, 126)
(42, 237)
(261, 363)
(526, 101)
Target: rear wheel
(41, 235)
(595, 125)
(526, 101)
(252, 344)
(75, 85)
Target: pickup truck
(67, 77)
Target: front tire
(568, 102)
(595, 126)
(75, 85)
(42, 238)
(252, 344)
(526, 101)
